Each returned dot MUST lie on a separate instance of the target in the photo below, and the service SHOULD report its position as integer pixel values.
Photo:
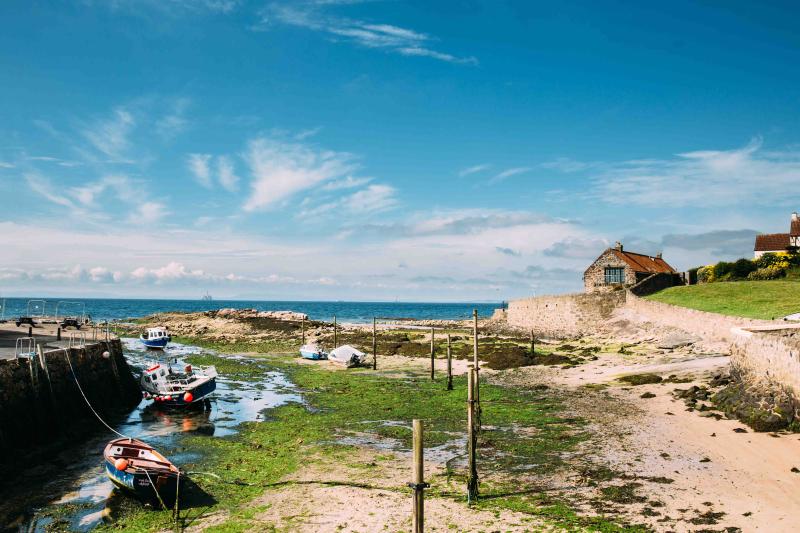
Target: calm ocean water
(111, 309)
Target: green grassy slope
(751, 299)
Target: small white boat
(347, 355)
(312, 351)
(156, 338)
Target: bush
(723, 271)
(742, 268)
(705, 274)
(770, 272)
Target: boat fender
(188, 397)
(188, 369)
(121, 464)
(106, 355)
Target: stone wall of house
(594, 277)
(567, 315)
(40, 402)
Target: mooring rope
(154, 488)
(75, 376)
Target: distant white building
(779, 242)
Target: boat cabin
(156, 333)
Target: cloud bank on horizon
(370, 150)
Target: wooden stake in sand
(472, 437)
(449, 365)
(335, 336)
(419, 485)
(433, 351)
(533, 343)
(477, 366)
(303, 331)
(374, 345)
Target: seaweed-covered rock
(641, 379)
(760, 407)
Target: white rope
(75, 376)
(154, 488)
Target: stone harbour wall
(767, 358)
(40, 402)
(568, 315)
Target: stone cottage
(779, 242)
(617, 268)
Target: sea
(353, 312)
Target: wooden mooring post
(449, 365)
(374, 344)
(433, 354)
(533, 343)
(477, 367)
(335, 336)
(303, 331)
(419, 485)
(472, 436)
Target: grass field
(751, 299)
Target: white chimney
(794, 215)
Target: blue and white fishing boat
(168, 388)
(156, 338)
(139, 469)
(312, 351)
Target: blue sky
(382, 150)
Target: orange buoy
(188, 397)
(121, 464)
(188, 369)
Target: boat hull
(178, 400)
(313, 355)
(139, 485)
(156, 344)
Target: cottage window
(614, 275)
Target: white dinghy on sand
(347, 355)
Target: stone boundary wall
(35, 410)
(655, 283)
(710, 326)
(764, 359)
(568, 315)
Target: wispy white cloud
(347, 183)
(306, 134)
(110, 135)
(227, 173)
(4, 164)
(704, 178)
(174, 121)
(312, 15)
(174, 7)
(282, 169)
(199, 166)
(148, 213)
(473, 170)
(45, 188)
(508, 173)
(373, 199)
(565, 164)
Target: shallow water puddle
(83, 497)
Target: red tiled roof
(772, 242)
(644, 263)
(795, 228)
